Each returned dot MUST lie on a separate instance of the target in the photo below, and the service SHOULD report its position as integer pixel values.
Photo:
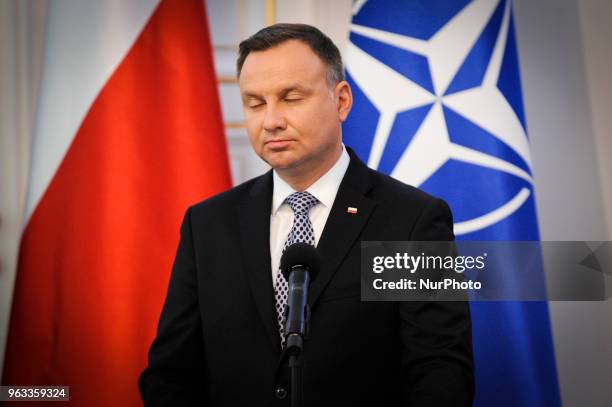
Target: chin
(281, 160)
(281, 164)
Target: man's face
(292, 114)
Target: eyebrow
(283, 92)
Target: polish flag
(128, 134)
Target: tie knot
(301, 202)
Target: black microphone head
(302, 254)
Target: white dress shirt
(281, 218)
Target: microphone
(300, 264)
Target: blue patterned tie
(301, 231)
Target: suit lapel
(255, 240)
(343, 228)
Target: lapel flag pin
(351, 210)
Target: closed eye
(255, 105)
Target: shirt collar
(324, 189)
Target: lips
(277, 144)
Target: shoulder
(228, 200)
(396, 201)
(385, 189)
(426, 216)
(389, 191)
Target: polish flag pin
(351, 210)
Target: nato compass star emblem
(438, 103)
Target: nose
(274, 118)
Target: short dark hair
(278, 33)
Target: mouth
(277, 144)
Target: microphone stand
(294, 348)
(296, 364)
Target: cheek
(309, 122)
(323, 122)
(253, 128)
(252, 140)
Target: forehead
(288, 63)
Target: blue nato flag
(438, 105)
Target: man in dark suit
(219, 341)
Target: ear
(344, 99)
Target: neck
(300, 180)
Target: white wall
(21, 34)
(566, 67)
(596, 30)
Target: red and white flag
(128, 134)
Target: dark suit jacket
(218, 342)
